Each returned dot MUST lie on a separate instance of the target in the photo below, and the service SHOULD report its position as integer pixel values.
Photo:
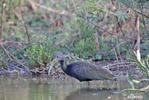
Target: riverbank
(121, 69)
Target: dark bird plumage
(84, 71)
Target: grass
(144, 68)
(142, 65)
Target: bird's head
(59, 56)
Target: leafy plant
(40, 54)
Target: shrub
(40, 54)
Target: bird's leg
(88, 83)
(115, 84)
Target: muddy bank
(121, 69)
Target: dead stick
(121, 63)
(63, 12)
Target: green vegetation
(84, 45)
(32, 30)
(143, 65)
(39, 54)
(144, 68)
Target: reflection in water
(13, 89)
(17, 89)
(90, 94)
(38, 91)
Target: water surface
(51, 89)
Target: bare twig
(96, 37)
(95, 25)
(143, 20)
(7, 53)
(2, 17)
(13, 58)
(140, 13)
(116, 55)
(137, 45)
(19, 62)
(63, 12)
(74, 4)
(137, 11)
(26, 28)
(118, 48)
(119, 44)
(32, 4)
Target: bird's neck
(63, 65)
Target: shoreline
(57, 73)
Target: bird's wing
(105, 72)
(90, 71)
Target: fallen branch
(121, 63)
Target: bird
(83, 70)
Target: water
(43, 89)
